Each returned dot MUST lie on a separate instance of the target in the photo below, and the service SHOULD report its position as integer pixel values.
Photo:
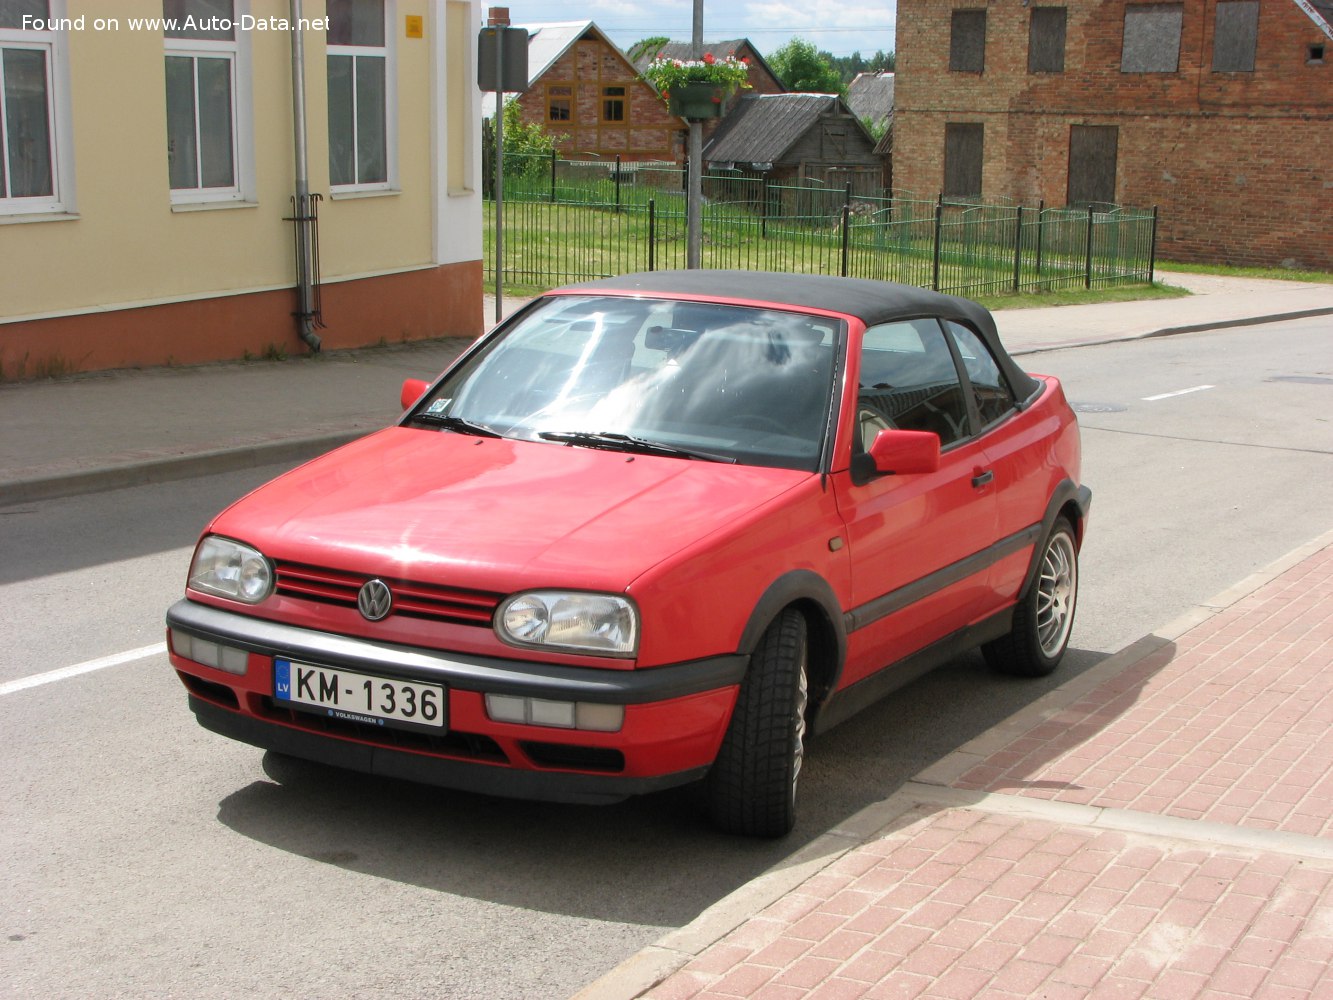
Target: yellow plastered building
(150, 161)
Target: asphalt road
(143, 856)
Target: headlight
(230, 569)
(587, 623)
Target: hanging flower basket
(697, 88)
(698, 100)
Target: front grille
(413, 599)
(469, 746)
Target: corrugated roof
(762, 127)
(870, 95)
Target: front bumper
(675, 716)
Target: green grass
(1121, 293)
(1274, 273)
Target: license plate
(354, 697)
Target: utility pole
(502, 65)
(694, 194)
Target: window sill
(22, 217)
(376, 193)
(210, 206)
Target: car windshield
(653, 376)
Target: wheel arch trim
(825, 626)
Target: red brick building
(1220, 112)
(587, 93)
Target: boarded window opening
(1152, 38)
(963, 146)
(1046, 40)
(1236, 36)
(967, 42)
(1092, 160)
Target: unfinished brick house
(1220, 113)
(587, 93)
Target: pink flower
(708, 58)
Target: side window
(909, 381)
(989, 388)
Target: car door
(1010, 440)
(916, 542)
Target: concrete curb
(1174, 331)
(930, 789)
(163, 470)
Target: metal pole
(1041, 227)
(695, 196)
(1152, 249)
(1087, 263)
(1018, 248)
(939, 224)
(846, 235)
(499, 173)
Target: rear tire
(1044, 618)
(751, 786)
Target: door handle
(982, 478)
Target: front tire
(751, 786)
(1044, 618)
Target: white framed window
(208, 101)
(36, 161)
(362, 72)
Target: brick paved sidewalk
(1233, 724)
(965, 903)
(1162, 829)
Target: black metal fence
(571, 221)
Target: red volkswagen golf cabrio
(651, 530)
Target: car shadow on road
(652, 860)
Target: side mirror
(413, 389)
(904, 453)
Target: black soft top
(872, 302)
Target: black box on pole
(514, 45)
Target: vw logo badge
(374, 600)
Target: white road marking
(87, 667)
(1178, 392)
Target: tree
(526, 138)
(528, 145)
(847, 67)
(802, 68)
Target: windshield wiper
(611, 441)
(453, 423)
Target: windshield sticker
(439, 405)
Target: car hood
(495, 514)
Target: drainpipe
(302, 217)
